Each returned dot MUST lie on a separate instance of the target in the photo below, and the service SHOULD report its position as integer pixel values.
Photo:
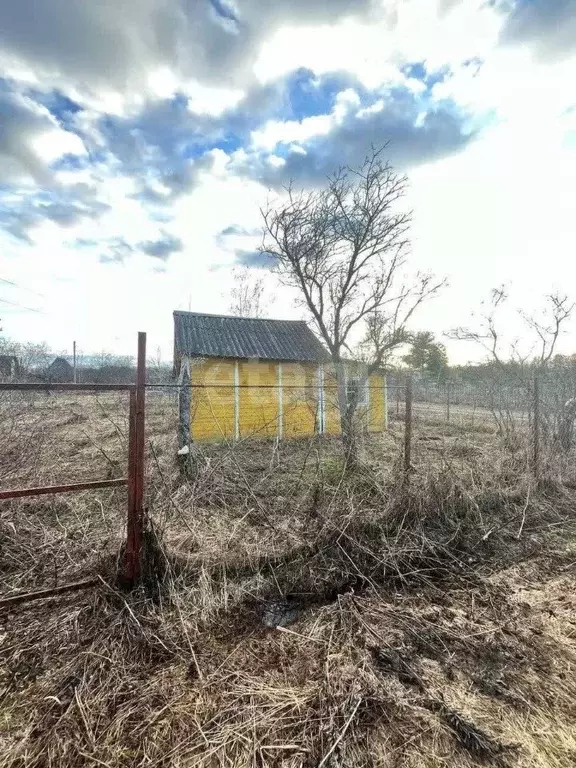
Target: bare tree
(343, 248)
(547, 326)
(32, 356)
(247, 294)
(523, 363)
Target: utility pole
(74, 356)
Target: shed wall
(212, 411)
(273, 399)
(300, 399)
(259, 406)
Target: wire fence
(74, 437)
(538, 409)
(34, 456)
(465, 403)
(448, 402)
(461, 404)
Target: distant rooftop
(204, 335)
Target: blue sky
(139, 140)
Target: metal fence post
(135, 519)
(536, 432)
(448, 403)
(408, 428)
(130, 550)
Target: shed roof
(60, 362)
(203, 335)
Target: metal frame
(134, 481)
(49, 489)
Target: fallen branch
(26, 597)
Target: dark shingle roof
(60, 363)
(200, 335)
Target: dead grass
(308, 616)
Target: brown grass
(308, 616)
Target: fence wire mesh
(50, 438)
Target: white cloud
(363, 50)
(276, 131)
(467, 30)
(373, 50)
(211, 101)
(503, 210)
(202, 99)
(107, 47)
(24, 123)
(53, 144)
(514, 85)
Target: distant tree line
(34, 361)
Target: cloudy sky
(138, 139)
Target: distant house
(9, 366)
(262, 377)
(60, 371)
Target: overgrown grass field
(296, 612)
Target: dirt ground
(296, 613)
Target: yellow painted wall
(377, 403)
(299, 399)
(258, 407)
(331, 407)
(371, 418)
(213, 409)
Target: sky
(140, 138)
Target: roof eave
(316, 361)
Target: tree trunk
(347, 425)
(185, 457)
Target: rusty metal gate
(134, 481)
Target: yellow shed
(246, 377)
